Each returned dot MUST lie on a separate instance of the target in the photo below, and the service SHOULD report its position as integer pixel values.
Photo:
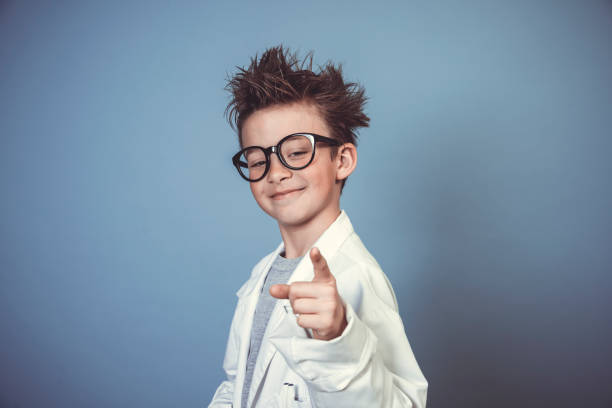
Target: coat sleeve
(371, 364)
(225, 392)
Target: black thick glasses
(295, 152)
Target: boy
(316, 325)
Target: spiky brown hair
(279, 77)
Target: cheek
(322, 180)
(256, 191)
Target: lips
(279, 195)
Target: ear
(346, 161)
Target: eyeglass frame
(313, 137)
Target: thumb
(280, 291)
(319, 264)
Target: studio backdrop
(482, 188)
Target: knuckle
(298, 305)
(292, 290)
(329, 290)
(326, 321)
(325, 306)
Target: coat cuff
(327, 365)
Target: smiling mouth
(280, 196)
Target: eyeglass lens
(295, 151)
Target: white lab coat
(370, 365)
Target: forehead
(265, 127)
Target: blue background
(483, 189)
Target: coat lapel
(328, 244)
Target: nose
(277, 171)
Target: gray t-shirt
(280, 271)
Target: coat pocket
(288, 397)
(292, 396)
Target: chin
(291, 217)
(296, 212)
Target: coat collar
(328, 243)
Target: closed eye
(257, 164)
(297, 154)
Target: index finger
(319, 264)
(279, 291)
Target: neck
(299, 238)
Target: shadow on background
(516, 287)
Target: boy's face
(294, 197)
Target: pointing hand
(317, 304)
